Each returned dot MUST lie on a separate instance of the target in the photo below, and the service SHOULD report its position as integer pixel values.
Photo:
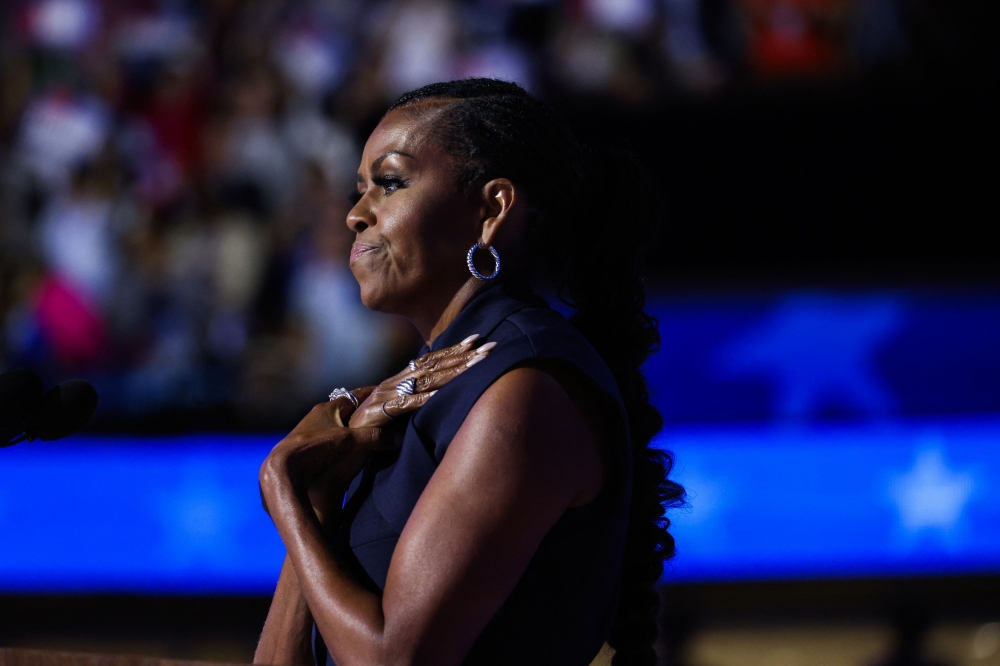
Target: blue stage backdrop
(820, 435)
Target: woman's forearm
(348, 616)
(286, 639)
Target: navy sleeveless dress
(561, 610)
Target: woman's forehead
(403, 133)
(397, 132)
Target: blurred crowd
(173, 173)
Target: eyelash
(386, 181)
(389, 183)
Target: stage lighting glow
(779, 502)
(820, 435)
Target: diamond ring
(412, 365)
(344, 393)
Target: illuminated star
(817, 349)
(929, 495)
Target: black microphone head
(65, 409)
(20, 395)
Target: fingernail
(433, 392)
(469, 339)
(485, 348)
(475, 359)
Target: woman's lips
(359, 249)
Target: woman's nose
(360, 218)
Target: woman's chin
(375, 299)
(370, 292)
(370, 300)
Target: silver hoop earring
(472, 267)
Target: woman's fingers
(433, 375)
(456, 355)
(362, 393)
(380, 412)
(435, 358)
(405, 403)
(453, 360)
(430, 360)
(433, 379)
(344, 407)
(434, 370)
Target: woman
(507, 508)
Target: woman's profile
(496, 502)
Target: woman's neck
(434, 324)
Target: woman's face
(413, 226)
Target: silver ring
(385, 413)
(406, 387)
(344, 393)
(412, 365)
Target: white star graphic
(929, 495)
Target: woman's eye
(389, 184)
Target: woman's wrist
(285, 484)
(280, 487)
(274, 479)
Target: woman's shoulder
(554, 340)
(529, 336)
(533, 335)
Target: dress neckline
(485, 312)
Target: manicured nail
(475, 359)
(433, 392)
(486, 348)
(469, 340)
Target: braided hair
(592, 216)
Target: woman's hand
(320, 455)
(433, 370)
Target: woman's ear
(504, 217)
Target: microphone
(27, 414)
(65, 409)
(20, 395)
